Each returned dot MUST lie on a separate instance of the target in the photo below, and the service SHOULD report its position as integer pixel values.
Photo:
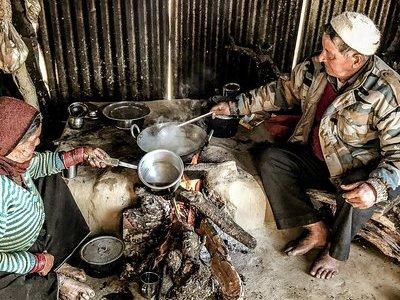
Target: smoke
(179, 140)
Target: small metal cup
(231, 90)
(75, 122)
(70, 172)
(149, 282)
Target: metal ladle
(195, 119)
(162, 130)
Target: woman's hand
(95, 157)
(221, 108)
(43, 263)
(48, 265)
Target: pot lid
(102, 250)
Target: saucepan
(184, 141)
(160, 170)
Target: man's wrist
(233, 108)
(380, 189)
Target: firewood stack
(175, 236)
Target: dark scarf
(16, 117)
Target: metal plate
(126, 110)
(102, 250)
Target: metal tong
(115, 162)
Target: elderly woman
(40, 224)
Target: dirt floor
(269, 274)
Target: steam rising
(180, 140)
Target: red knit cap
(16, 116)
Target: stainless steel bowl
(161, 170)
(126, 113)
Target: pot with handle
(185, 141)
(160, 170)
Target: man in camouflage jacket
(347, 139)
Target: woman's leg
(65, 226)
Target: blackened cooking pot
(224, 126)
(102, 256)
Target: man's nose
(322, 57)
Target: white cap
(358, 31)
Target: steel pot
(161, 171)
(126, 113)
(184, 141)
(101, 256)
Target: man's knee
(270, 158)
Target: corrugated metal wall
(203, 28)
(105, 50)
(118, 49)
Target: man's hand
(95, 157)
(48, 265)
(359, 194)
(221, 108)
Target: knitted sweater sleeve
(44, 164)
(20, 262)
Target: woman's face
(23, 152)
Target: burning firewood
(167, 234)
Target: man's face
(23, 152)
(338, 65)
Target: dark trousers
(62, 232)
(287, 171)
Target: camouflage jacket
(360, 127)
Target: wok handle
(133, 128)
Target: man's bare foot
(72, 272)
(71, 289)
(315, 236)
(325, 266)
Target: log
(220, 218)
(145, 226)
(381, 230)
(231, 285)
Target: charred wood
(144, 230)
(229, 281)
(220, 218)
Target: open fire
(174, 236)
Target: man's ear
(358, 60)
